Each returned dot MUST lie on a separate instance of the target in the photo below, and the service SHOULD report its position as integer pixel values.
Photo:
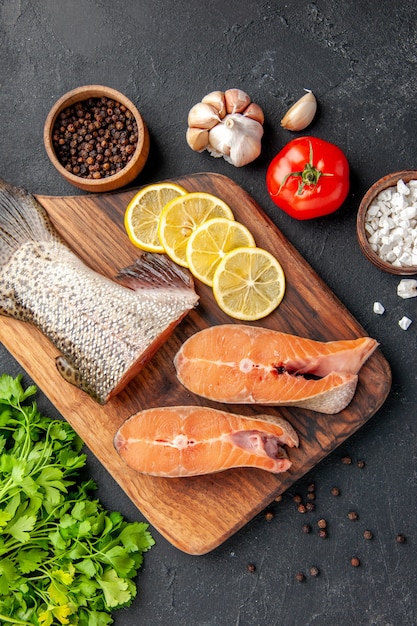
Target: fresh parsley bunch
(64, 559)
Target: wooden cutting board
(197, 514)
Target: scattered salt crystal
(407, 288)
(405, 322)
(379, 308)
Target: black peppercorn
(300, 577)
(314, 571)
(335, 491)
(251, 568)
(352, 515)
(367, 534)
(400, 539)
(354, 561)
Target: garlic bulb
(226, 124)
(301, 114)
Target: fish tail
(152, 271)
(22, 219)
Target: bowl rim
(127, 173)
(389, 180)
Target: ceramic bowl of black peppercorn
(96, 138)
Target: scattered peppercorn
(297, 498)
(269, 516)
(251, 568)
(311, 487)
(314, 571)
(361, 464)
(346, 460)
(352, 515)
(322, 523)
(335, 491)
(301, 508)
(310, 506)
(323, 533)
(306, 529)
(82, 130)
(278, 498)
(367, 534)
(300, 577)
(311, 496)
(354, 561)
(400, 539)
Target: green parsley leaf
(64, 559)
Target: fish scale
(105, 330)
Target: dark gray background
(360, 60)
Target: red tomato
(308, 178)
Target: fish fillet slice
(192, 440)
(234, 363)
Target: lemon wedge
(143, 212)
(249, 283)
(182, 215)
(209, 243)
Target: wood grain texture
(197, 514)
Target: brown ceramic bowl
(123, 176)
(390, 180)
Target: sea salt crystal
(405, 322)
(379, 308)
(402, 188)
(407, 288)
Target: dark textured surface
(360, 60)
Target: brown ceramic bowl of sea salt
(96, 138)
(369, 227)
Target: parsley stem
(14, 621)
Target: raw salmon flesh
(193, 440)
(235, 363)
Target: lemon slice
(143, 213)
(211, 241)
(182, 216)
(249, 283)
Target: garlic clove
(255, 112)
(220, 138)
(217, 100)
(237, 139)
(203, 115)
(301, 114)
(236, 100)
(197, 138)
(246, 146)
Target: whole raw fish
(176, 441)
(239, 364)
(106, 331)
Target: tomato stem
(310, 175)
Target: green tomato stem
(310, 175)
